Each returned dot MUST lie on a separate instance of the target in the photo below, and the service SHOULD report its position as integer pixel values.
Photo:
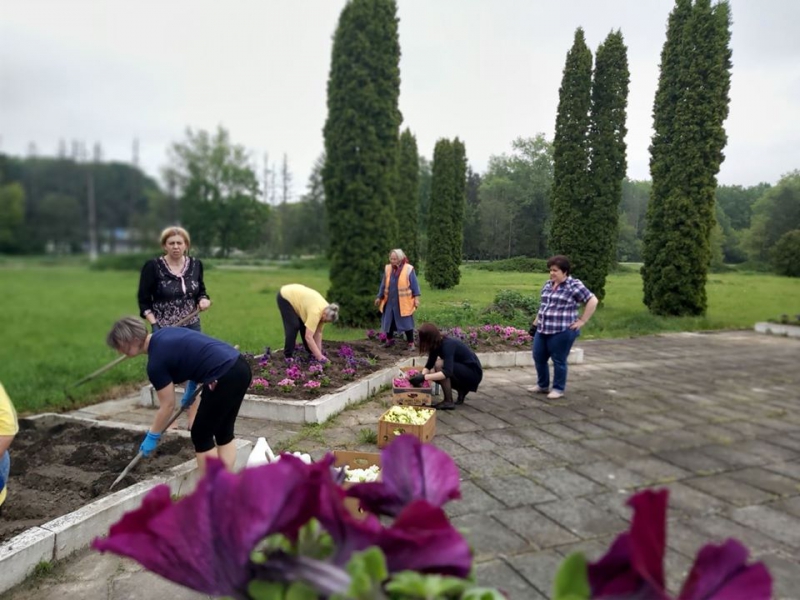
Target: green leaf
(417, 585)
(572, 579)
(367, 571)
(265, 590)
(301, 591)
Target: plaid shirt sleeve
(580, 293)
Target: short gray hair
(331, 313)
(401, 256)
(125, 331)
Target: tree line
(372, 190)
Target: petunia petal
(348, 533)
(720, 572)
(649, 535)
(204, 541)
(410, 470)
(634, 565)
(422, 539)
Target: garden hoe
(116, 361)
(139, 455)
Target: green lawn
(56, 317)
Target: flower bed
(302, 377)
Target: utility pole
(92, 217)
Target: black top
(177, 354)
(171, 297)
(457, 356)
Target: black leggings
(219, 408)
(292, 325)
(393, 328)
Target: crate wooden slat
(387, 430)
(412, 396)
(355, 460)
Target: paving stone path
(714, 417)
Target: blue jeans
(5, 468)
(557, 347)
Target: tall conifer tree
(459, 203)
(438, 265)
(607, 162)
(571, 187)
(407, 198)
(690, 108)
(361, 140)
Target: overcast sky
(487, 71)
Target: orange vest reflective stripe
(403, 290)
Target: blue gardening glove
(188, 396)
(417, 380)
(150, 442)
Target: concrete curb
(64, 535)
(792, 331)
(321, 409)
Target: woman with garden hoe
(176, 354)
(171, 288)
(8, 429)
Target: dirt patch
(58, 467)
(302, 378)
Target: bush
(513, 306)
(522, 264)
(130, 262)
(317, 262)
(785, 254)
(121, 262)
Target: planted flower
(286, 385)
(260, 384)
(311, 384)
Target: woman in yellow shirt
(8, 429)
(304, 311)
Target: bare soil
(58, 467)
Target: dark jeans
(557, 347)
(292, 325)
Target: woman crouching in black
(451, 363)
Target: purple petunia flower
(634, 565)
(411, 470)
(204, 541)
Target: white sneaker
(555, 395)
(535, 389)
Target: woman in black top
(451, 363)
(171, 287)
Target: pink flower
(311, 383)
(260, 383)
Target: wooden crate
(355, 460)
(405, 396)
(424, 433)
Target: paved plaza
(714, 417)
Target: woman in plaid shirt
(558, 325)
